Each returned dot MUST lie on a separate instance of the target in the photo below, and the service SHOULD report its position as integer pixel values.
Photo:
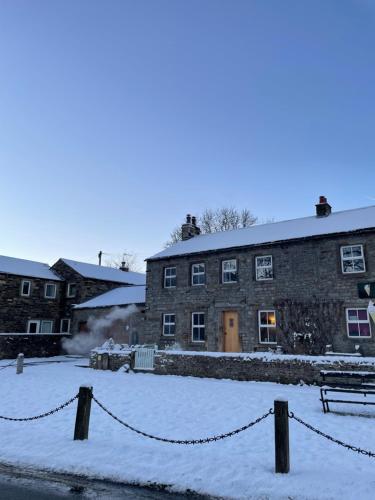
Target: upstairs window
(264, 268)
(198, 274)
(65, 325)
(267, 327)
(198, 327)
(229, 271)
(358, 323)
(25, 288)
(71, 290)
(50, 291)
(170, 277)
(352, 259)
(169, 324)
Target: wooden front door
(231, 337)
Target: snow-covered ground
(183, 408)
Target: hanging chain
(36, 417)
(183, 441)
(331, 438)
(7, 366)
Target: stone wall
(16, 310)
(32, 346)
(302, 269)
(269, 368)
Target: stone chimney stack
(124, 267)
(323, 208)
(190, 228)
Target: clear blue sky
(119, 117)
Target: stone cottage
(225, 291)
(83, 281)
(30, 294)
(117, 314)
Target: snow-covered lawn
(182, 408)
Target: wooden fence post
(20, 359)
(282, 463)
(81, 430)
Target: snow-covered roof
(260, 234)
(29, 268)
(121, 296)
(106, 273)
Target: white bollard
(20, 359)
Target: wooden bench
(346, 382)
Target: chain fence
(42, 415)
(331, 438)
(185, 441)
(7, 366)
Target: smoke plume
(82, 343)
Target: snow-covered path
(183, 408)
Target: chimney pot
(323, 208)
(190, 228)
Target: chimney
(323, 208)
(124, 267)
(190, 228)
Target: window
(71, 290)
(33, 326)
(352, 259)
(264, 268)
(198, 327)
(267, 327)
(46, 326)
(169, 277)
(169, 324)
(50, 291)
(65, 325)
(25, 288)
(358, 323)
(229, 271)
(198, 274)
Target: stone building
(84, 281)
(30, 295)
(221, 291)
(118, 314)
(36, 298)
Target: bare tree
(129, 258)
(221, 219)
(308, 326)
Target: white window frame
(263, 267)
(198, 326)
(223, 272)
(68, 292)
(358, 321)
(61, 322)
(169, 323)
(261, 325)
(362, 256)
(45, 291)
(25, 294)
(169, 277)
(199, 273)
(37, 321)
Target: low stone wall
(31, 345)
(253, 366)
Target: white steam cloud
(82, 343)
